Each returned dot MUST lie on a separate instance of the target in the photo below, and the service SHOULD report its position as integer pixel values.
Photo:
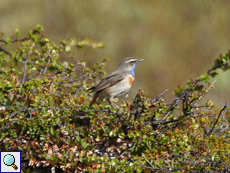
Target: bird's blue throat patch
(133, 67)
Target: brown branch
(147, 161)
(159, 96)
(24, 74)
(3, 50)
(224, 108)
(16, 40)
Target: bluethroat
(116, 83)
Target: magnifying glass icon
(9, 160)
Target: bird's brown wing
(108, 81)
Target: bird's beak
(139, 60)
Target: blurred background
(178, 40)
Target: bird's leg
(95, 97)
(125, 100)
(110, 100)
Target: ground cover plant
(45, 114)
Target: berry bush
(45, 114)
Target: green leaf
(17, 32)
(213, 74)
(185, 138)
(173, 141)
(139, 169)
(43, 110)
(87, 69)
(8, 40)
(39, 28)
(67, 48)
(10, 96)
(7, 147)
(204, 77)
(52, 132)
(114, 162)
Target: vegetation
(45, 114)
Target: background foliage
(178, 39)
(44, 112)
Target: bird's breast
(130, 79)
(118, 89)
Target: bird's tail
(94, 99)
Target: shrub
(45, 114)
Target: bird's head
(128, 64)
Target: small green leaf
(8, 40)
(173, 141)
(17, 32)
(185, 138)
(52, 132)
(111, 133)
(7, 147)
(67, 48)
(204, 77)
(39, 28)
(87, 69)
(10, 96)
(113, 162)
(43, 110)
(139, 169)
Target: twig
(125, 99)
(135, 99)
(16, 40)
(76, 66)
(41, 118)
(224, 108)
(171, 109)
(159, 96)
(147, 161)
(14, 113)
(49, 57)
(227, 141)
(213, 68)
(168, 127)
(24, 74)
(3, 50)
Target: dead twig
(224, 108)
(25, 64)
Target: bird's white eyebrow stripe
(131, 60)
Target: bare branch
(224, 108)
(24, 74)
(159, 96)
(147, 161)
(3, 50)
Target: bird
(116, 83)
